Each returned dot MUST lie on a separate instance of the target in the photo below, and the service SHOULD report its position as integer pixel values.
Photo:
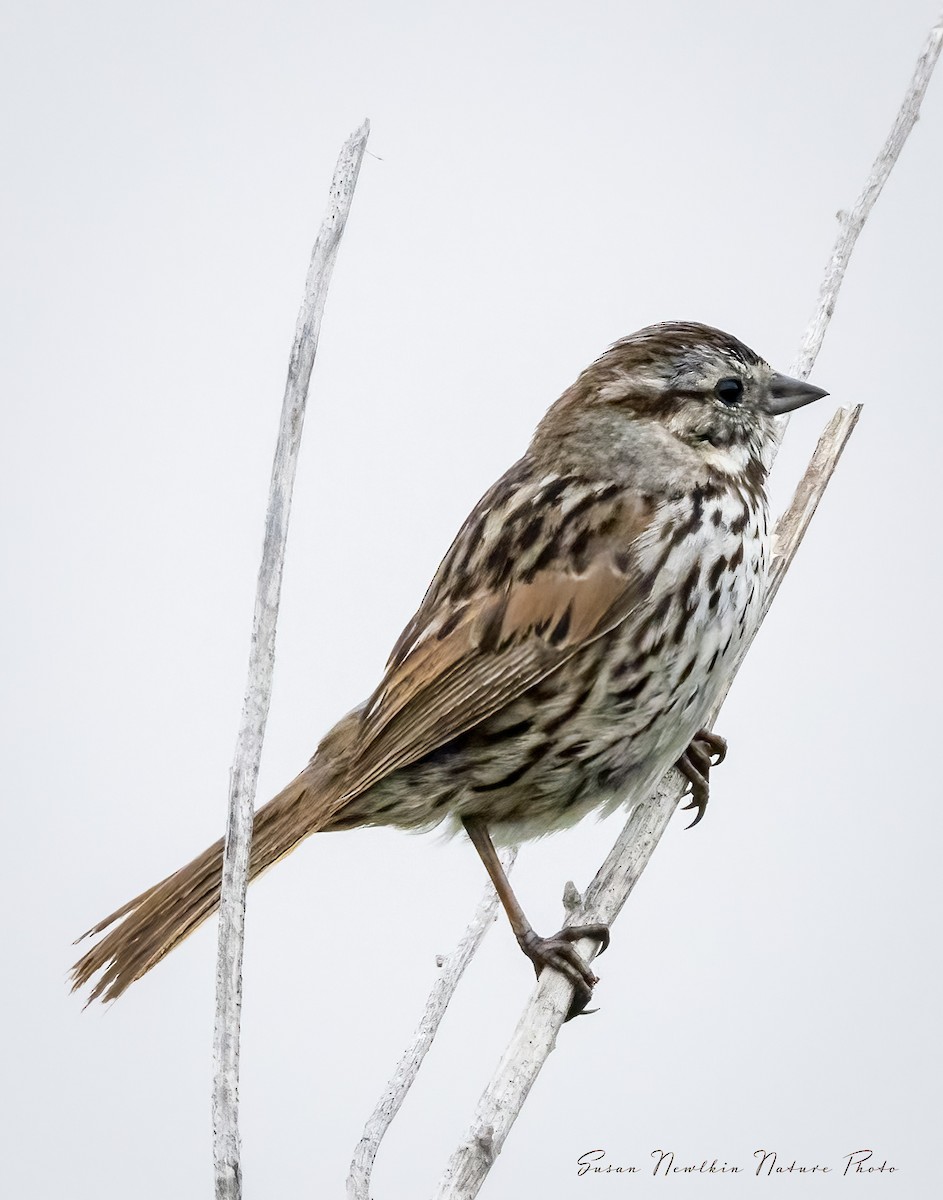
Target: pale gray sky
(543, 178)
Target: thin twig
(543, 1017)
(852, 222)
(243, 776)
(452, 969)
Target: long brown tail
(153, 923)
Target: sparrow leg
(558, 951)
(707, 750)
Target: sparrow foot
(706, 750)
(560, 953)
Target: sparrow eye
(729, 392)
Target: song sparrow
(568, 649)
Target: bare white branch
(243, 776)
(537, 1029)
(853, 221)
(452, 969)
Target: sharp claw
(559, 953)
(715, 743)
(699, 759)
(706, 750)
(581, 997)
(603, 943)
(574, 933)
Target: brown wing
(541, 568)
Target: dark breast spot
(631, 693)
(659, 612)
(714, 574)
(688, 597)
(683, 532)
(688, 668)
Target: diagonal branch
(853, 222)
(244, 774)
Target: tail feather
(159, 919)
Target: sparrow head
(704, 387)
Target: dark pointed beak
(786, 394)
